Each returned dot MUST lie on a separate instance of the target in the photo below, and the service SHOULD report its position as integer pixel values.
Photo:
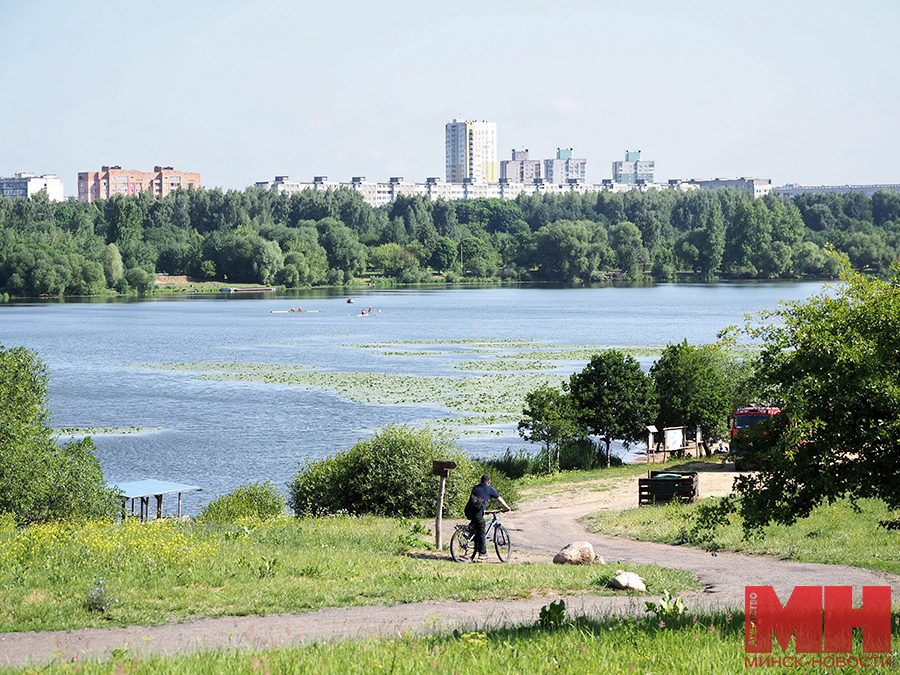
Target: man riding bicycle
(481, 495)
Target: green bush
(389, 474)
(41, 480)
(254, 500)
(582, 455)
(514, 465)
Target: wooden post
(441, 469)
(158, 507)
(438, 534)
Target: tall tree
(550, 418)
(692, 387)
(614, 398)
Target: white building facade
(471, 151)
(380, 194)
(868, 190)
(29, 184)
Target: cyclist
(481, 495)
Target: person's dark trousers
(477, 525)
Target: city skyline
(240, 92)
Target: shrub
(39, 479)
(513, 465)
(582, 455)
(389, 474)
(254, 500)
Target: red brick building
(114, 180)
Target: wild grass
(838, 533)
(169, 570)
(698, 644)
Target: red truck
(749, 417)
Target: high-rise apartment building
(114, 180)
(471, 151)
(633, 169)
(520, 169)
(28, 184)
(564, 168)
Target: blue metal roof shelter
(144, 489)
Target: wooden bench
(662, 487)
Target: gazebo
(144, 489)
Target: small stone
(628, 581)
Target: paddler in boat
(370, 310)
(349, 300)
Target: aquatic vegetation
(491, 393)
(102, 431)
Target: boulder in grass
(628, 581)
(577, 553)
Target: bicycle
(463, 540)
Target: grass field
(686, 645)
(168, 570)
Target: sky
(795, 91)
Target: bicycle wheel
(502, 543)
(461, 545)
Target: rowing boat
(288, 311)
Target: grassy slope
(166, 570)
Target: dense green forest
(332, 238)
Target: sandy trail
(538, 529)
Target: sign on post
(442, 469)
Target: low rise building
(380, 194)
(114, 180)
(756, 187)
(28, 184)
(868, 190)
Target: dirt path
(539, 529)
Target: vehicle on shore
(744, 418)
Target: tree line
(317, 238)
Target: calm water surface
(223, 434)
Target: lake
(223, 433)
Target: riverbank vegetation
(333, 238)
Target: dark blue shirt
(486, 492)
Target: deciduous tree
(831, 364)
(614, 399)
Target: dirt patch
(163, 280)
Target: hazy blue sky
(241, 91)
